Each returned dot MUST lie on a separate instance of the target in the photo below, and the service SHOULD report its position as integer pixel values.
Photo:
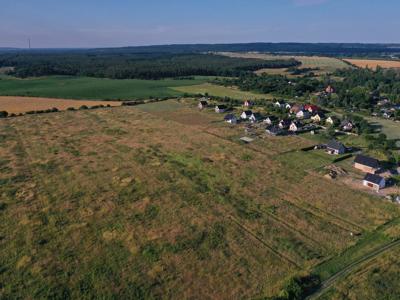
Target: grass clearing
(88, 88)
(220, 91)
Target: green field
(220, 91)
(163, 201)
(93, 88)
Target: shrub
(70, 108)
(3, 114)
(83, 107)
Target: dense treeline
(127, 66)
(331, 49)
(274, 84)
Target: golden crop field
(374, 63)
(163, 201)
(324, 64)
(13, 104)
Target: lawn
(93, 88)
(220, 91)
(164, 201)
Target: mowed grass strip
(88, 88)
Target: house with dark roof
(221, 108)
(255, 117)
(285, 123)
(332, 120)
(347, 125)
(246, 114)
(366, 164)
(335, 147)
(374, 181)
(247, 103)
(274, 130)
(202, 103)
(230, 118)
(318, 117)
(303, 114)
(270, 120)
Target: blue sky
(104, 23)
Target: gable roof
(334, 144)
(229, 117)
(203, 102)
(373, 178)
(257, 115)
(286, 122)
(346, 122)
(221, 106)
(248, 112)
(367, 161)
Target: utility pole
(29, 43)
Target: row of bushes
(5, 114)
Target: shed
(374, 181)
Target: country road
(327, 284)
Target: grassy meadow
(85, 88)
(163, 201)
(220, 91)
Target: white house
(220, 109)
(246, 114)
(270, 120)
(374, 181)
(294, 126)
(255, 117)
(318, 117)
(279, 104)
(303, 114)
(331, 120)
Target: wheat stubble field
(161, 200)
(14, 104)
(374, 63)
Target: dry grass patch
(16, 105)
(374, 63)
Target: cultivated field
(374, 63)
(162, 200)
(324, 64)
(12, 104)
(221, 91)
(84, 88)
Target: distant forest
(110, 64)
(156, 62)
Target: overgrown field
(374, 63)
(93, 88)
(161, 200)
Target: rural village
(312, 119)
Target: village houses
(246, 114)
